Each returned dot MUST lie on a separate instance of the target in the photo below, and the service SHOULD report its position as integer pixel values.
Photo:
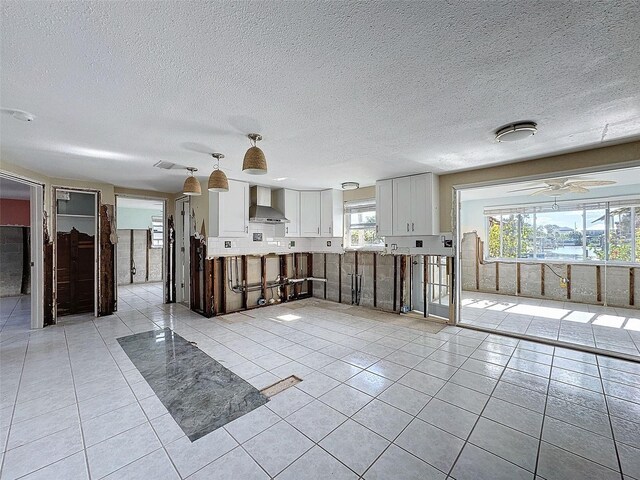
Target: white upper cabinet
(331, 213)
(402, 206)
(229, 211)
(287, 202)
(384, 207)
(310, 214)
(414, 205)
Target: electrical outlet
(328, 243)
(448, 243)
(292, 243)
(418, 243)
(227, 244)
(394, 246)
(257, 237)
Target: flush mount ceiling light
(516, 131)
(350, 185)
(218, 180)
(191, 184)
(254, 162)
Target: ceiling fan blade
(544, 191)
(523, 189)
(592, 183)
(576, 188)
(559, 182)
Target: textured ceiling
(340, 90)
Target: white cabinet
(402, 208)
(229, 211)
(310, 214)
(384, 207)
(415, 205)
(287, 202)
(331, 213)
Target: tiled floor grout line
(544, 412)
(13, 410)
(75, 393)
(162, 445)
(475, 424)
(613, 433)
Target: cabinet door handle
(287, 229)
(407, 226)
(246, 229)
(412, 227)
(318, 230)
(330, 229)
(377, 228)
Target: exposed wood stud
(375, 280)
(403, 268)
(263, 276)
(283, 275)
(632, 286)
(244, 281)
(568, 282)
(542, 279)
(131, 262)
(339, 278)
(477, 262)
(296, 274)
(395, 283)
(425, 279)
(598, 285)
(518, 284)
(223, 285)
(497, 276)
(310, 274)
(325, 274)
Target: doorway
(553, 259)
(430, 285)
(183, 236)
(140, 251)
(76, 251)
(21, 252)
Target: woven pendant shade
(218, 182)
(254, 162)
(191, 184)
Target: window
(571, 232)
(157, 232)
(360, 219)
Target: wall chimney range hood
(260, 209)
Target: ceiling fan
(558, 186)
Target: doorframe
(96, 257)
(456, 191)
(165, 215)
(187, 249)
(36, 232)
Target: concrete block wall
(615, 280)
(10, 261)
(339, 266)
(139, 256)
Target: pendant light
(191, 184)
(254, 162)
(218, 180)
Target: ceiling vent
(167, 165)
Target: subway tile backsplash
(270, 243)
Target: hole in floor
(280, 386)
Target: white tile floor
(608, 328)
(383, 397)
(15, 314)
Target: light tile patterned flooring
(607, 328)
(383, 397)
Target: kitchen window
(360, 224)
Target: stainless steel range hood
(260, 209)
